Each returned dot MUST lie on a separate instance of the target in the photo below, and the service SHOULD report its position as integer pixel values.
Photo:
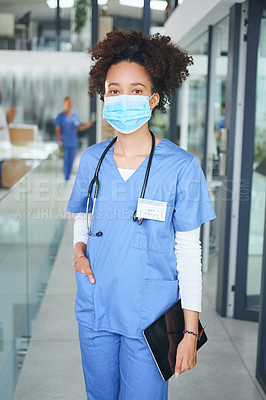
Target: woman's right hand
(83, 265)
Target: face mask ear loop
(151, 98)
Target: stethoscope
(96, 181)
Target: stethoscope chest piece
(135, 218)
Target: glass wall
(158, 16)
(192, 117)
(160, 123)
(221, 38)
(35, 90)
(258, 191)
(123, 15)
(31, 226)
(192, 104)
(33, 25)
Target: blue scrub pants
(116, 367)
(69, 156)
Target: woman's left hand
(186, 354)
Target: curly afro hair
(165, 62)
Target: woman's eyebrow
(137, 84)
(132, 84)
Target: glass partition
(192, 104)
(36, 92)
(258, 190)
(31, 226)
(158, 14)
(219, 106)
(35, 25)
(221, 36)
(13, 291)
(159, 124)
(192, 107)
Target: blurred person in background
(10, 115)
(67, 126)
(220, 125)
(4, 133)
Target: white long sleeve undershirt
(188, 253)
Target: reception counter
(17, 160)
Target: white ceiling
(185, 27)
(40, 10)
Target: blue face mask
(127, 113)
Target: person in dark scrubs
(67, 125)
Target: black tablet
(164, 335)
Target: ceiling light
(62, 3)
(132, 3)
(159, 5)
(102, 2)
(154, 4)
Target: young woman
(143, 245)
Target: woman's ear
(154, 101)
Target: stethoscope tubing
(97, 185)
(135, 218)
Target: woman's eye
(114, 91)
(137, 91)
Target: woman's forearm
(81, 263)
(186, 354)
(191, 320)
(80, 249)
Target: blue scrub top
(69, 128)
(134, 265)
(221, 123)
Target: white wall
(45, 59)
(38, 82)
(193, 17)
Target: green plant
(260, 145)
(81, 15)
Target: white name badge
(151, 209)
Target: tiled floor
(52, 367)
